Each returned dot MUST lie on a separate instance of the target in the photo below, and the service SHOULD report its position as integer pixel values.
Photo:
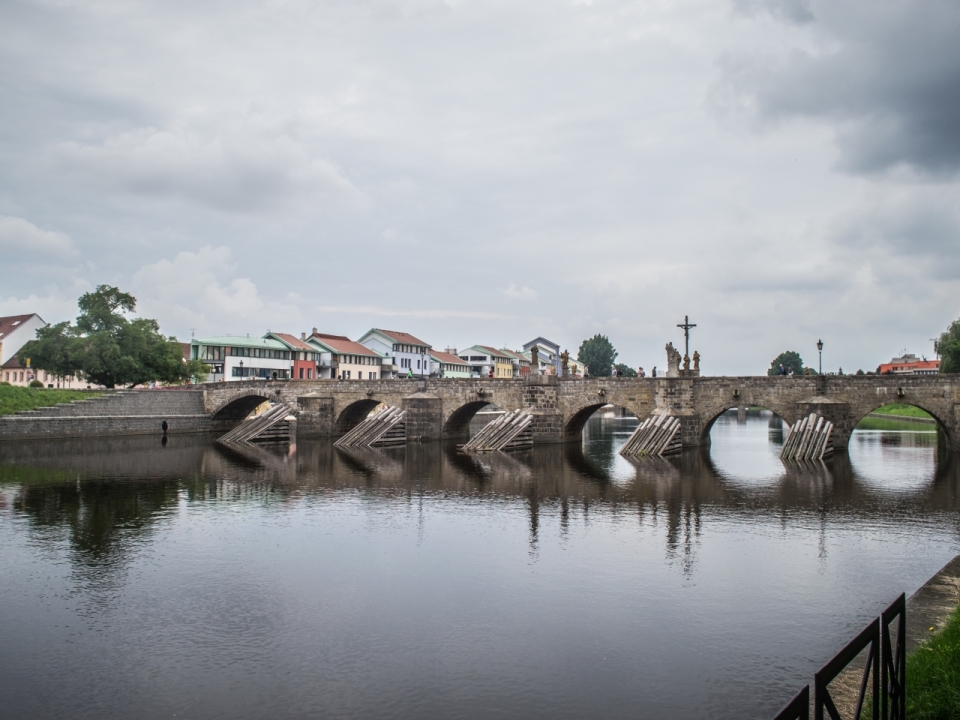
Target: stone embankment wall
(126, 412)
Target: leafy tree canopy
(106, 347)
(625, 370)
(789, 359)
(598, 354)
(948, 346)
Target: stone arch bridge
(443, 408)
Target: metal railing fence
(884, 673)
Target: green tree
(598, 354)
(789, 359)
(948, 347)
(108, 348)
(197, 371)
(52, 351)
(625, 370)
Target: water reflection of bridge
(70, 484)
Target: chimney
(452, 351)
(303, 336)
(314, 331)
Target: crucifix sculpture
(686, 332)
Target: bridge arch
(458, 422)
(710, 417)
(353, 414)
(573, 429)
(942, 425)
(234, 411)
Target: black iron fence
(884, 673)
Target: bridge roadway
(443, 408)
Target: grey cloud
(231, 166)
(795, 11)
(886, 75)
(917, 224)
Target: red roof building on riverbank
(909, 365)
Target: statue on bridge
(534, 360)
(673, 361)
(696, 362)
(565, 363)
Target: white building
(16, 331)
(343, 359)
(548, 354)
(243, 358)
(409, 355)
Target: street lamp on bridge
(820, 350)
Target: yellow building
(487, 362)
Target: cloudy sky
(485, 171)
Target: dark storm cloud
(885, 74)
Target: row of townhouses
(379, 354)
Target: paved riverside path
(443, 408)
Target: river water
(142, 580)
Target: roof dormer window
(16, 322)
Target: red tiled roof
(293, 341)
(493, 351)
(7, 323)
(514, 354)
(402, 337)
(13, 364)
(446, 357)
(343, 345)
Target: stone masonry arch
(943, 424)
(710, 416)
(353, 414)
(232, 412)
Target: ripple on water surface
(557, 582)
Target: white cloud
(430, 313)
(196, 291)
(22, 239)
(55, 304)
(523, 293)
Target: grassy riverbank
(902, 411)
(933, 675)
(14, 399)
